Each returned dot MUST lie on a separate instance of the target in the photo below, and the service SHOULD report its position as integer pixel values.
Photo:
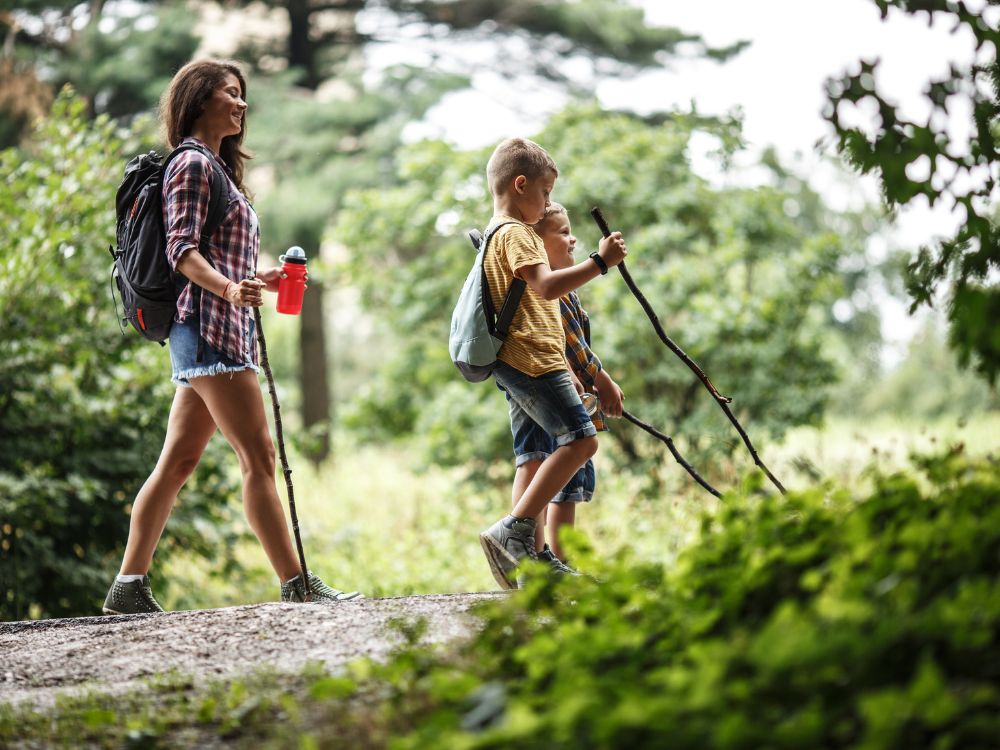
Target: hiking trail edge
(44, 659)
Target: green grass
(262, 710)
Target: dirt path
(41, 660)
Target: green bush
(812, 620)
(82, 408)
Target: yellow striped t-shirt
(536, 342)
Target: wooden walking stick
(307, 595)
(670, 445)
(722, 401)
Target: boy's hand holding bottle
(610, 393)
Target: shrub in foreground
(813, 620)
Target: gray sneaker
(294, 591)
(132, 598)
(506, 547)
(555, 565)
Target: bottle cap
(294, 254)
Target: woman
(212, 348)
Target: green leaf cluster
(82, 407)
(813, 620)
(914, 159)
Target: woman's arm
(186, 193)
(245, 293)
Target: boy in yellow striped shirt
(531, 367)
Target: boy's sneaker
(132, 598)
(295, 591)
(506, 543)
(555, 565)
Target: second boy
(532, 366)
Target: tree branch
(722, 401)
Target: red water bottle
(291, 288)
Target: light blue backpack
(477, 331)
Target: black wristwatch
(600, 263)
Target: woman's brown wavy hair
(184, 101)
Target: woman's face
(225, 109)
(559, 241)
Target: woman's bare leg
(237, 406)
(189, 429)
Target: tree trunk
(314, 371)
(300, 47)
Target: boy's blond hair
(542, 224)
(517, 156)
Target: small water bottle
(293, 286)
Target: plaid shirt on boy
(233, 249)
(576, 324)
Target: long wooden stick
(307, 595)
(670, 444)
(722, 401)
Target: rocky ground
(42, 660)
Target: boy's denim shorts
(184, 355)
(545, 412)
(579, 489)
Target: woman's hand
(273, 276)
(245, 293)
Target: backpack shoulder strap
(500, 323)
(217, 203)
(217, 206)
(490, 231)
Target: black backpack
(149, 288)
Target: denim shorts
(184, 355)
(545, 412)
(532, 443)
(579, 489)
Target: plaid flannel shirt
(233, 249)
(586, 365)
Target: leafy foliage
(814, 620)
(606, 38)
(123, 69)
(82, 408)
(744, 280)
(922, 159)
